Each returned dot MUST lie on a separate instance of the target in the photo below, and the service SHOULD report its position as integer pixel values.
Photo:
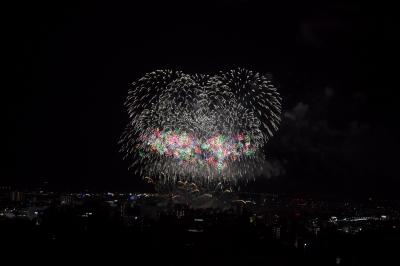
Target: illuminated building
(17, 196)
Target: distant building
(66, 199)
(16, 196)
(276, 232)
(5, 193)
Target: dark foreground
(276, 232)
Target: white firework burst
(202, 128)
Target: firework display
(204, 128)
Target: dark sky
(72, 65)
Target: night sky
(72, 65)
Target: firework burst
(202, 128)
